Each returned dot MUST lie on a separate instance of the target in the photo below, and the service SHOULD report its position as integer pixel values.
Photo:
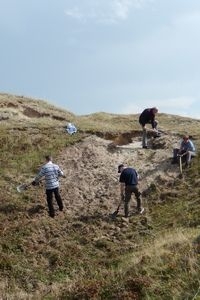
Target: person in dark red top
(148, 117)
(128, 185)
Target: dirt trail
(91, 186)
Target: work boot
(187, 165)
(52, 214)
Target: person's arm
(191, 146)
(122, 185)
(122, 191)
(181, 147)
(38, 177)
(152, 122)
(60, 172)
(137, 175)
(152, 118)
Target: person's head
(155, 110)
(186, 138)
(120, 168)
(48, 158)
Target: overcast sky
(116, 56)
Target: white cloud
(103, 11)
(175, 103)
(179, 105)
(121, 9)
(74, 13)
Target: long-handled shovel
(180, 162)
(180, 165)
(114, 215)
(23, 187)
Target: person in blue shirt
(187, 150)
(128, 185)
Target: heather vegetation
(82, 253)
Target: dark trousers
(129, 189)
(49, 194)
(144, 132)
(176, 151)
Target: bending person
(128, 185)
(148, 117)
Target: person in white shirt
(51, 172)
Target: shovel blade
(21, 187)
(114, 215)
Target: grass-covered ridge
(154, 256)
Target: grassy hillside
(90, 256)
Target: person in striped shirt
(51, 172)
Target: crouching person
(186, 151)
